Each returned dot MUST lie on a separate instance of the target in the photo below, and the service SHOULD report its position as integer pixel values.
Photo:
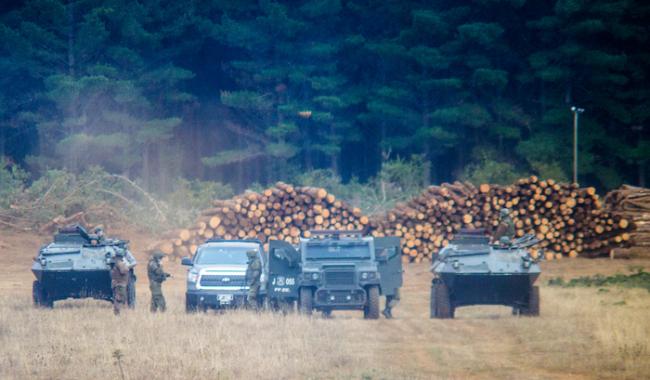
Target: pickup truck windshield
(222, 256)
(335, 250)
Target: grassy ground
(582, 333)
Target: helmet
(504, 212)
(119, 253)
(158, 255)
(504, 240)
(251, 254)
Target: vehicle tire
(36, 293)
(306, 301)
(432, 301)
(533, 302)
(443, 306)
(190, 306)
(372, 305)
(130, 292)
(40, 296)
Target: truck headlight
(42, 261)
(311, 276)
(315, 276)
(368, 275)
(526, 264)
(455, 264)
(192, 276)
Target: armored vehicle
(334, 270)
(471, 271)
(217, 274)
(77, 265)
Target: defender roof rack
(336, 234)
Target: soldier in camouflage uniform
(119, 281)
(506, 226)
(157, 276)
(391, 302)
(253, 273)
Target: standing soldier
(253, 273)
(391, 299)
(506, 226)
(99, 233)
(119, 281)
(156, 277)
(391, 302)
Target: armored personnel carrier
(471, 271)
(334, 270)
(77, 265)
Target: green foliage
(160, 90)
(12, 182)
(105, 198)
(638, 279)
(488, 167)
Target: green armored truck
(334, 270)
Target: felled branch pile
(632, 203)
(568, 220)
(282, 212)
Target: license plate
(224, 298)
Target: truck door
(284, 270)
(389, 262)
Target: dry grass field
(583, 333)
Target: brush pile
(568, 220)
(283, 212)
(633, 204)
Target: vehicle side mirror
(186, 261)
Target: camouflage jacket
(254, 270)
(506, 228)
(155, 271)
(119, 274)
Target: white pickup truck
(217, 274)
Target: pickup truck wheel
(372, 311)
(306, 301)
(190, 306)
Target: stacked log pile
(568, 220)
(283, 212)
(633, 204)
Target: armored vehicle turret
(335, 270)
(77, 265)
(471, 271)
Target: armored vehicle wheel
(443, 306)
(372, 306)
(533, 302)
(40, 296)
(432, 302)
(306, 301)
(130, 292)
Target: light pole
(576, 111)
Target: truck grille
(339, 277)
(219, 280)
